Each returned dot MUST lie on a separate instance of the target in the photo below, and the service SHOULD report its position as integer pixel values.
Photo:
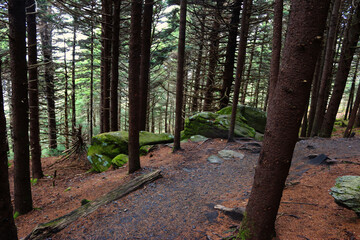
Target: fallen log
(45, 230)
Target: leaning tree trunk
(352, 117)
(352, 90)
(276, 49)
(145, 61)
(7, 225)
(180, 75)
(228, 76)
(213, 57)
(114, 123)
(134, 74)
(347, 52)
(18, 68)
(245, 19)
(33, 91)
(301, 49)
(325, 80)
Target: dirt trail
(180, 205)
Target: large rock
(346, 192)
(106, 146)
(216, 125)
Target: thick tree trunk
(228, 76)
(35, 148)
(18, 68)
(7, 225)
(276, 48)
(301, 50)
(115, 68)
(347, 52)
(180, 75)
(134, 75)
(327, 70)
(106, 35)
(145, 61)
(213, 57)
(245, 19)
(46, 39)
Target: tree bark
(180, 75)
(18, 68)
(352, 90)
(115, 68)
(301, 49)
(73, 84)
(276, 48)
(93, 3)
(145, 61)
(245, 19)
(327, 70)
(347, 52)
(134, 75)
(228, 76)
(213, 57)
(35, 147)
(46, 39)
(7, 225)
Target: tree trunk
(145, 61)
(180, 74)
(7, 225)
(167, 107)
(228, 76)
(213, 57)
(349, 106)
(347, 52)
(257, 87)
(115, 67)
(18, 68)
(276, 48)
(134, 75)
(106, 35)
(301, 49)
(93, 3)
(353, 114)
(73, 84)
(327, 70)
(35, 147)
(245, 19)
(46, 39)
(66, 110)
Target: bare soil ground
(181, 204)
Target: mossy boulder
(216, 125)
(120, 160)
(106, 146)
(346, 192)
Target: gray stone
(346, 192)
(215, 159)
(198, 138)
(228, 154)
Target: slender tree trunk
(349, 106)
(46, 39)
(106, 34)
(347, 52)
(145, 61)
(246, 82)
(276, 48)
(167, 107)
(327, 70)
(353, 114)
(213, 57)
(357, 120)
(35, 148)
(73, 85)
(228, 76)
(7, 225)
(245, 19)
(257, 87)
(180, 74)
(115, 67)
(66, 120)
(134, 75)
(305, 29)
(93, 3)
(19, 84)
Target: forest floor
(181, 204)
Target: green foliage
(33, 181)
(84, 201)
(49, 152)
(68, 189)
(16, 214)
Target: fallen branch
(45, 230)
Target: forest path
(180, 205)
